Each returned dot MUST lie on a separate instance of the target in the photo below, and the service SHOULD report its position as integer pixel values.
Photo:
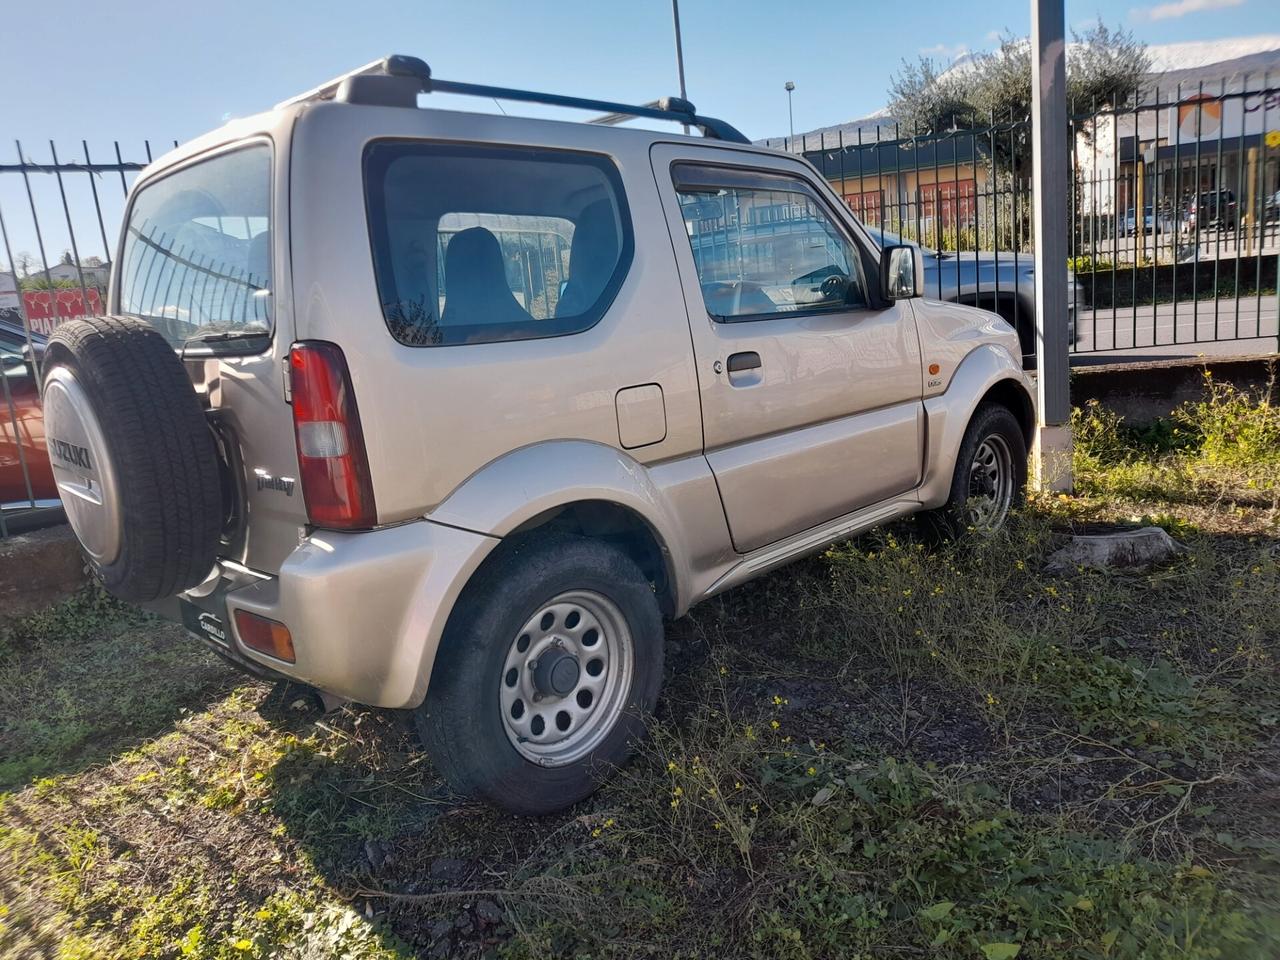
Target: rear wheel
(550, 664)
(990, 476)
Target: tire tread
(162, 449)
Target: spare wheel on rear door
(133, 456)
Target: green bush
(1233, 427)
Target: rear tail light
(334, 467)
(266, 636)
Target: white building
(1208, 119)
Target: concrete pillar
(1050, 157)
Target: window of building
(479, 244)
(764, 244)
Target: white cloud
(944, 52)
(1180, 8)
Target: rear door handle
(749, 360)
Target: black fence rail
(1174, 215)
(58, 222)
(1174, 237)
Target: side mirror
(901, 272)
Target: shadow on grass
(89, 678)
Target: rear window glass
(481, 244)
(197, 251)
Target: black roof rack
(397, 80)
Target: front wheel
(549, 667)
(990, 477)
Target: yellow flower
(813, 771)
(678, 791)
(610, 822)
(718, 825)
(595, 832)
(737, 785)
(671, 764)
(775, 724)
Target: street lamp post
(791, 120)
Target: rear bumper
(366, 610)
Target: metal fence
(1173, 204)
(1174, 237)
(70, 202)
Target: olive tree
(1104, 67)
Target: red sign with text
(45, 308)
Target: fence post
(1052, 453)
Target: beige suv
(445, 412)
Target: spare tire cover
(133, 456)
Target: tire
(464, 720)
(994, 425)
(125, 426)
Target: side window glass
(764, 245)
(476, 244)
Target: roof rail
(397, 80)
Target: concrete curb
(1149, 391)
(38, 569)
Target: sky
(133, 70)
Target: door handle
(748, 360)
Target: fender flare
(947, 415)
(505, 494)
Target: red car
(22, 424)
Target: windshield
(887, 238)
(196, 261)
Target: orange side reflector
(266, 636)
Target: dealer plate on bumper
(204, 624)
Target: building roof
(891, 155)
(1186, 63)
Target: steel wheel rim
(991, 484)
(552, 718)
